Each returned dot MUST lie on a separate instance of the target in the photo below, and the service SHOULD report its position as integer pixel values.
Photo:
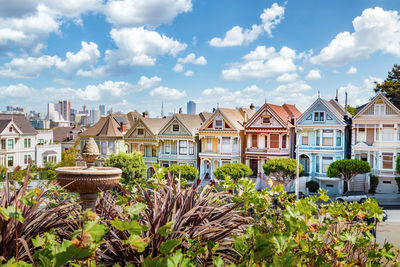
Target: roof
(132, 117)
(205, 115)
(237, 116)
(107, 126)
(154, 124)
(364, 107)
(191, 121)
(4, 124)
(61, 134)
(285, 112)
(21, 121)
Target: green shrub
(374, 181)
(132, 166)
(398, 183)
(187, 172)
(312, 186)
(282, 169)
(233, 170)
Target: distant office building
(110, 111)
(53, 114)
(191, 107)
(94, 116)
(103, 110)
(65, 109)
(73, 114)
(16, 110)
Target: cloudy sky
(134, 54)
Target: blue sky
(134, 54)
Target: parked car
(353, 196)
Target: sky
(136, 54)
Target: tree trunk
(348, 186)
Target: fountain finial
(90, 152)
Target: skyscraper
(94, 116)
(191, 107)
(103, 110)
(65, 109)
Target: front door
(254, 166)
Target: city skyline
(133, 58)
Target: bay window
(387, 160)
(326, 161)
(361, 136)
(182, 147)
(226, 144)
(327, 137)
(388, 132)
(167, 147)
(274, 141)
(208, 144)
(304, 138)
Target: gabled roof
(191, 122)
(61, 134)
(332, 105)
(106, 127)
(365, 107)
(132, 117)
(21, 121)
(4, 124)
(235, 117)
(152, 124)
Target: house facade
(222, 139)
(269, 133)
(142, 137)
(323, 137)
(46, 150)
(376, 139)
(178, 140)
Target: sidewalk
(388, 199)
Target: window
(339, 138)
(226, 144)
(10, 129)
(235, 145)
(3, 143)
(388, 132)
(319, 116)
(208, 144)
(154, 151)
(167, 147)
(326, 161)
(379, 109)
(218, 124)
(27, 159)
(111, 147)
(191, 148)
(27, 143)
(266, 120)
(104, 148)
(266, 141)
(387, 160)
(142, 149)
(361, 137)
(10, 161)
(182, 147)
(140, 131)
(254, 140)
(327, 137)
(317, 164)
(284, 141)
(274, 140)
(175, 128)
(317, 138)
(304, 139)
(10, 144)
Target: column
(187, 147)
(280, 141)
(220, 143)
(334, 138)
(320, 137)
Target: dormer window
(319, 116)
(218, 124)
(140, 131)
(175, 127)
(10, 129)
(266, 120)
(379, 109)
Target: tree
(347, 169)
(390, 87)
(68, 157)
(234, 170)
(132, 166)
(352, 110)
(282, 169)
(312, 186)
(186, 171)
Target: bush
(312, 186)
(398, 183)
(374, 181)
(233, 170)
(187, 172)
(282, 169)
(132, 166)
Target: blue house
(323, 136)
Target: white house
(46, 150)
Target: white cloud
(191, 58)
(189, 73)
(287, 77)
(140, 47)
(314, 74)
(375, 30)
(352, 70)
(178, 68)
(74, 8)
(358, 95)
(145, 13)
(238, 36)
(145, 83)
(16, 91)
(167, 93)
(262, 62)
(291, 94)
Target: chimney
(293, 120)
(180, 110)
(145, 114)
(123, 127)
(252, 106)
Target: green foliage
(68, 157)
(187, 172)
(48, 172)
(347, 169)
(390, 87)
(282, 169)
(352, 110)
(232, 170)
(398, 183)
(374, 181)
(132, 166)
(312, 186)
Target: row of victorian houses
(325, 132)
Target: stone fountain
(90, 180)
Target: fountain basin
(88, 180)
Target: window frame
(174, 129)
(319, 116)
(183, 147)
(216, 123)
(140, 129)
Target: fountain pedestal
(88, 181)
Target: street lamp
(297, 182)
